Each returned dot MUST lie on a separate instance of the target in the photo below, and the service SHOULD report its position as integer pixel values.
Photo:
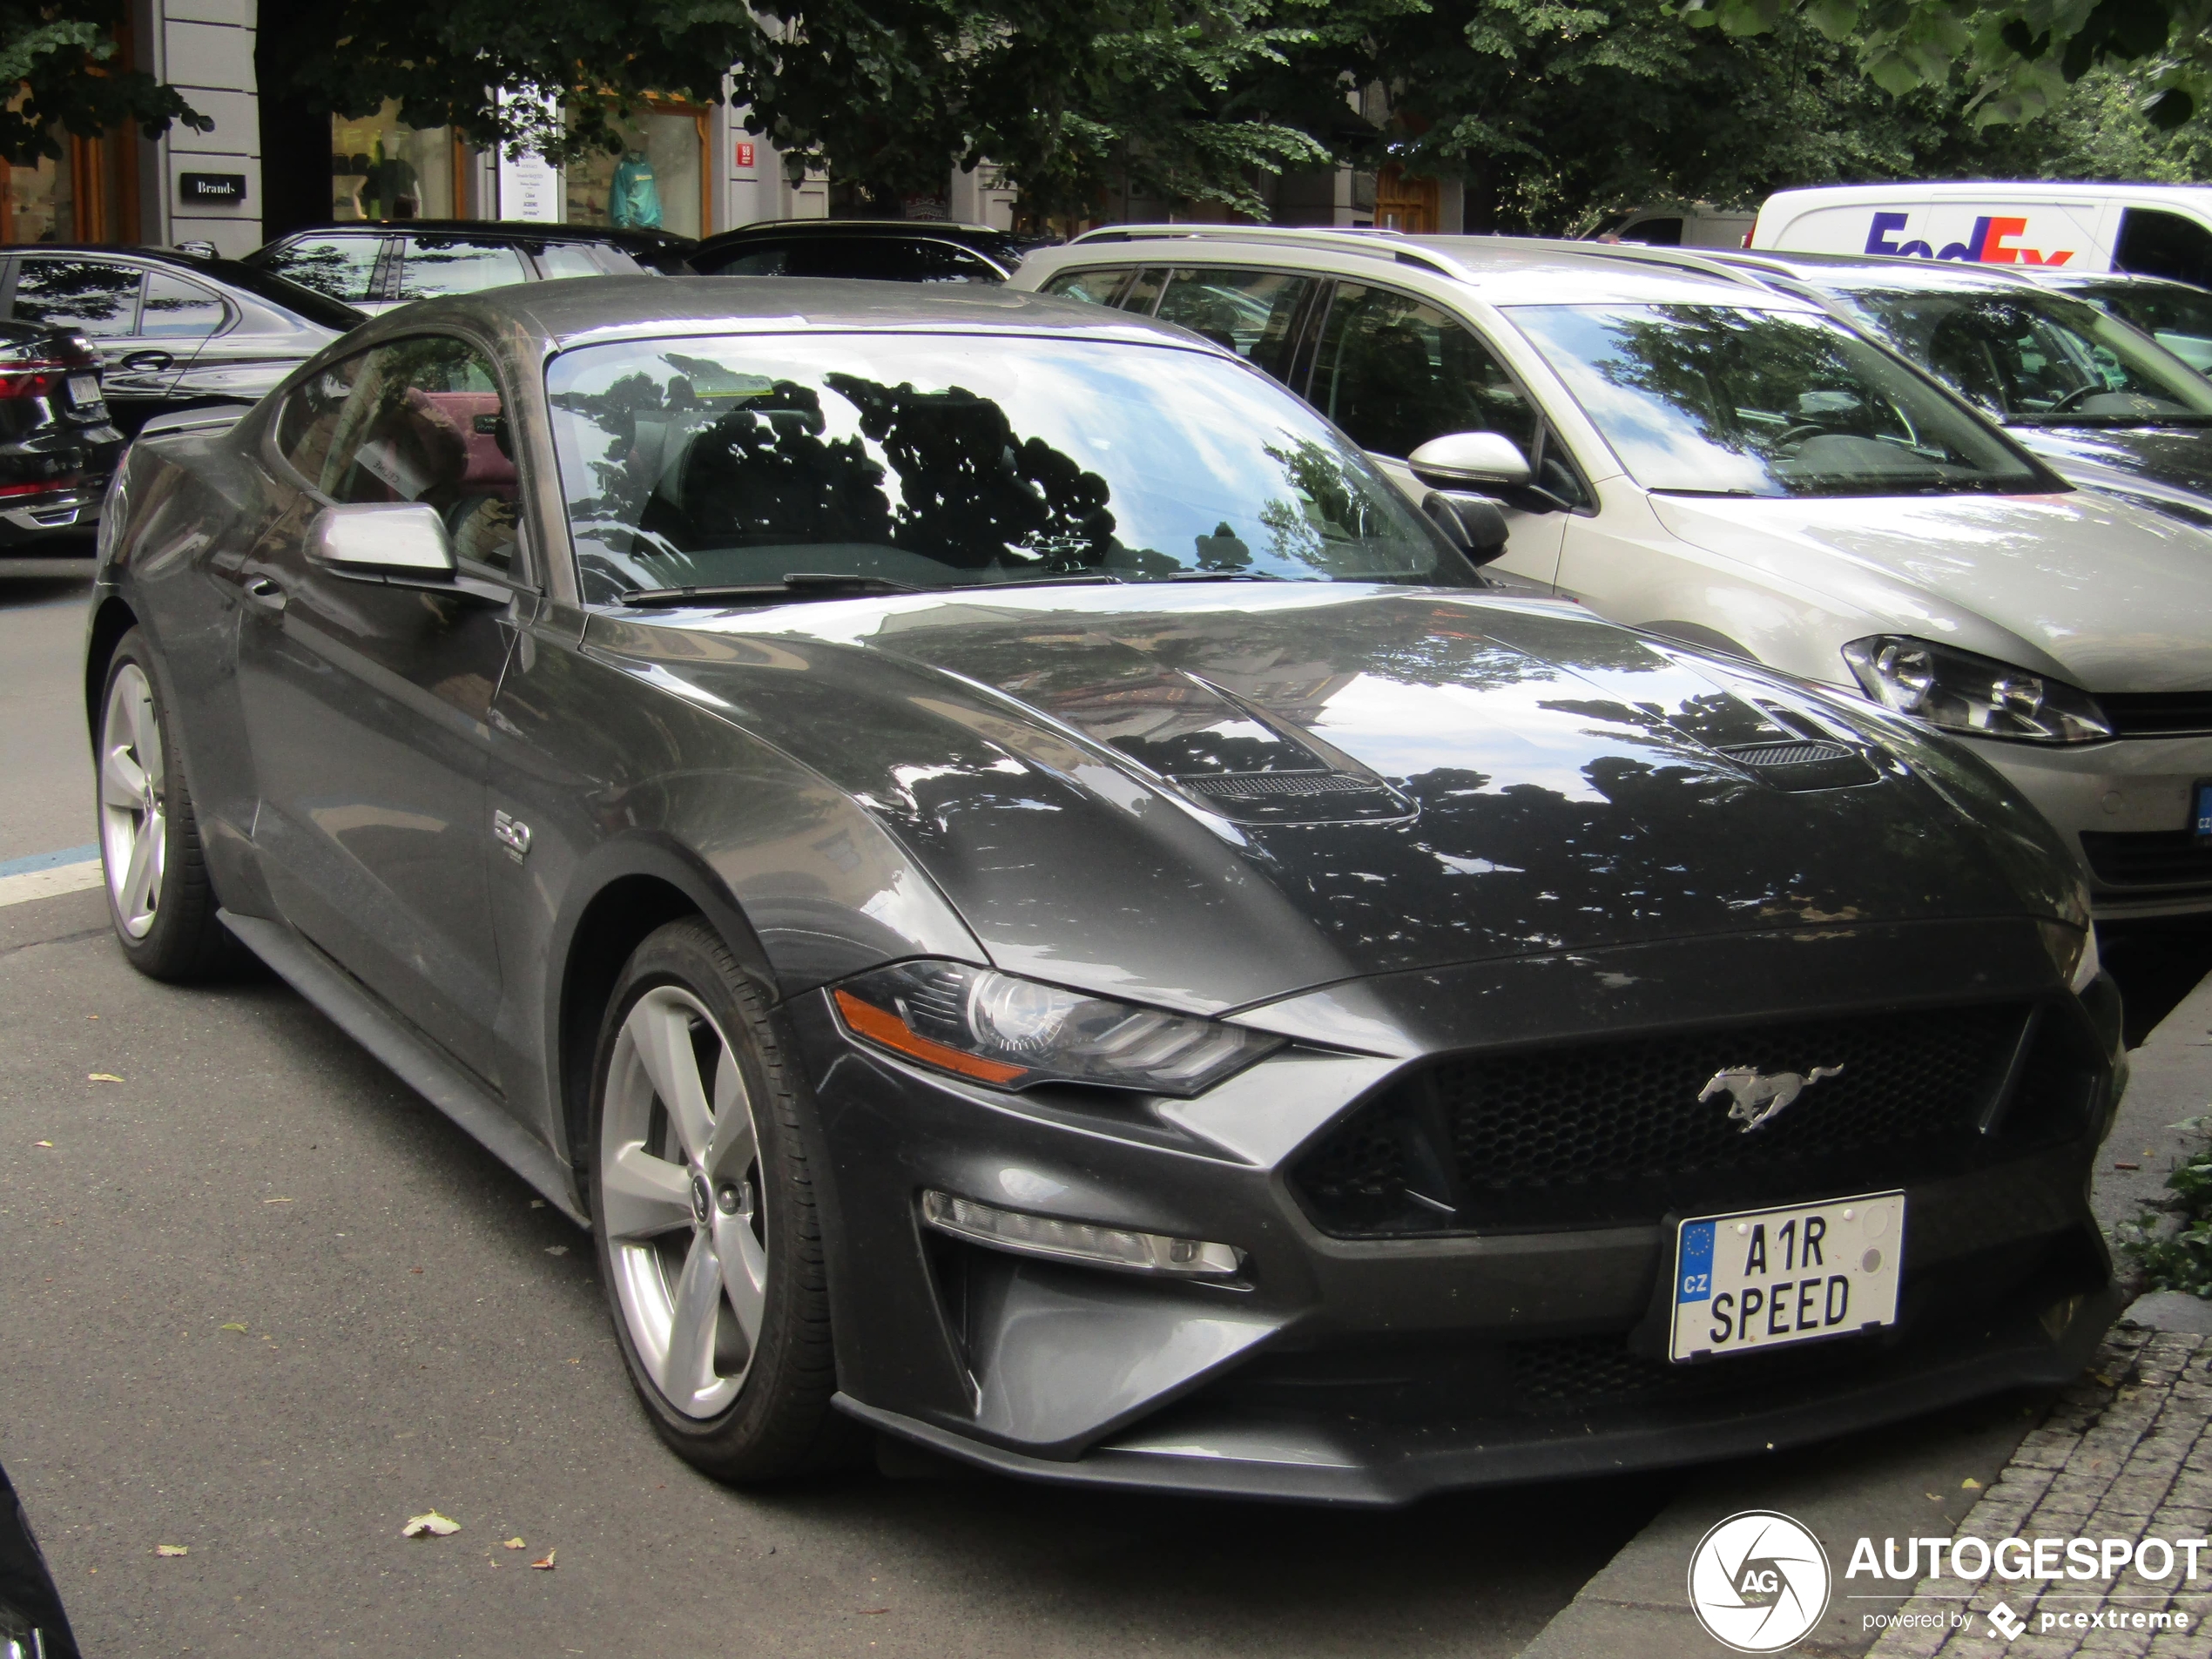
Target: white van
(2155, 230)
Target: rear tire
(704, 1216)
(159, 898)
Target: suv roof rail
(1360, 240)
(1743, 273)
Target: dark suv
(57, 445)
(377, 264)
(886, 250)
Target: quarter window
(1252, 313)
(1093, 287)
(176, 309)
(418, 420)
(89, 295)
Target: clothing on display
(634, 196)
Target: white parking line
(46, 875)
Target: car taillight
(32, 380)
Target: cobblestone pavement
(2126, 1453)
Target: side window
(762, 258)
(558, 259)
(2168, 245)
(1252, 313)
(888, 260)
(176, 309)
(341, 267)
(1143, 292)
(1395, 373)
(1094, 287)
(418, 420)
(89, 295)
(435, 265)
(1653, 232)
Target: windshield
(2178, 317)
(935, 461)
(2036, 359)
(1712, 400)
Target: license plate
(1768, 1279)
(84, 388)
(2200, 810)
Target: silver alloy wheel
(134, 815)
(680, 1187)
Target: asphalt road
(262, 1302)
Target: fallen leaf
(557, 1249)
(544, 1563)
(433, 1525)
(232, 1327)
(414, 1269)
(1934, 1497)
(102, 1077)
(514, 1543)
(537, 1204)
(49, 1145)
(578, 1360)
(869, 1612)
(2126, 1166)
(172, 1549)
(1970, 1484)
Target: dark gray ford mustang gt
(1036, 905)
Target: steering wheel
(2077, 397)
(1800, 434)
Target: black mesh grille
(2147, 858)
(1572, 1373)
(1787, 754)
(2157, 714)
(1617, 1130)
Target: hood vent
(1803, 763)
(1316, 797)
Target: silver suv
(1736, 469)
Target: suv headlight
(1009, 1033)
(1957, 691)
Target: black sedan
(58, 444)
(377, 264)
(173, 331)
(1034, 904)
(882, 250)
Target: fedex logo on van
(1992, 241)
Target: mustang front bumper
(1371, 1369)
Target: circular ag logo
(1758, 1582)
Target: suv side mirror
(1470, 458)
(1474, 524)
(377, 540)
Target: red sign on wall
(745, 154)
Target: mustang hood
(1204, 803)
(2109, 596)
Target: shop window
(382, 168)
(658, 183)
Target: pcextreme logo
(1759, 1582)
(1993, 241)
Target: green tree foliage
(59, 57)
(889, 94)
(2019, 55)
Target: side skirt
(417, 1064)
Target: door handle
(266, 591)
(144, 361)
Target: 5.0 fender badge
(1759, 1095)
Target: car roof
(1861, 271)
(590, 308)
(505, 230)
(1501, 270)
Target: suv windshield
(1728, 401)
(938, 461)
(2035, 359)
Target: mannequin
(633, 200)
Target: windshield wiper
(802, 584)
(1222, 575)
(1685, 490)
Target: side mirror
(1470, 458)
(1474, 524)
(379, 539)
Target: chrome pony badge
(1759, 1095)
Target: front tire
(159, 898)
(704, 1215)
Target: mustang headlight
(1960, 691)
(1010, 1033)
